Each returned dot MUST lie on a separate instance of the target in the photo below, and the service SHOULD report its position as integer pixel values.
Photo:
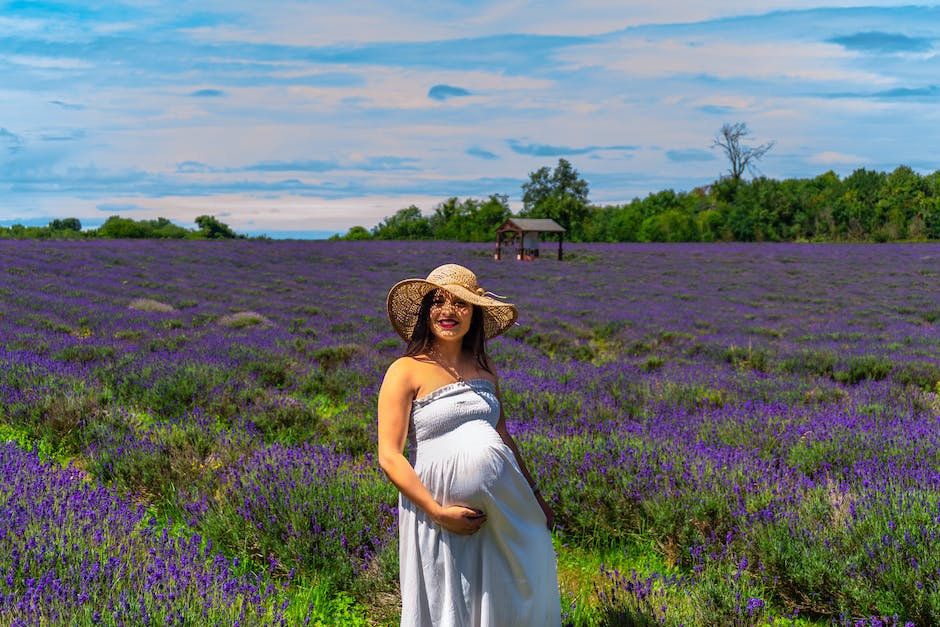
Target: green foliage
(66, 224)
(923, 374)
(865, 206)
(560, 194)
(65, 228)
(168, 390)
(862, 367)
(331, 357)
(356, 233)
(85, 353)
(147, 458)
(470, 220)
(318, 606)
(211, 228)
(407, 223)
(749, 358)
(554, 343)
(820, 363)
(116, 227)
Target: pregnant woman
(475, 547)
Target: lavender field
(730, 434)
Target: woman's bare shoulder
(400, 366)
(401, 379)
(405, 368)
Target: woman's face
(450, 316)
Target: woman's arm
(395, 398)
(511, 443)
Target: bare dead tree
(742, 158)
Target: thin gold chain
(452, 371)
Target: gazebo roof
(546, 225)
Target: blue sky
(318, 116)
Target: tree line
(866, 205)
(116, 227)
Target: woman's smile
(448, 323)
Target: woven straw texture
(404, 300)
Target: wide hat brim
(404, 306)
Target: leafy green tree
(19, 231)
(561, 195)
(903, 196)
(932, 205)
(673, 225)
(470, 220)
(711, 226)
(66, 224)
(116, 227)
(598, 225)
(861, 191)
(356, 233)
(489, 216)
(448, 219)
(740, 223)
(823, 197)
(407, 223)
(797, 214)
(211, 228)
(160, 228)
(763, 202)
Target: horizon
(314, 117)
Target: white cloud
(20, 25)
(48, 62)
(645, 58)
(829, 157)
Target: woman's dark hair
(474, 341)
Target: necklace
(434, 356)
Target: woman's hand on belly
(461, 520)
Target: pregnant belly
(469, 472)
(476, 478)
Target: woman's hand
(461, 520)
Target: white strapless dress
(505, 574)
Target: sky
(307, 118)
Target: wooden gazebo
(525, 232)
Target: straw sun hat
(404, 300)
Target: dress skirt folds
(503, 575)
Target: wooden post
(499, 241)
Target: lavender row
(77, 553)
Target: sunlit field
(729, 434)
